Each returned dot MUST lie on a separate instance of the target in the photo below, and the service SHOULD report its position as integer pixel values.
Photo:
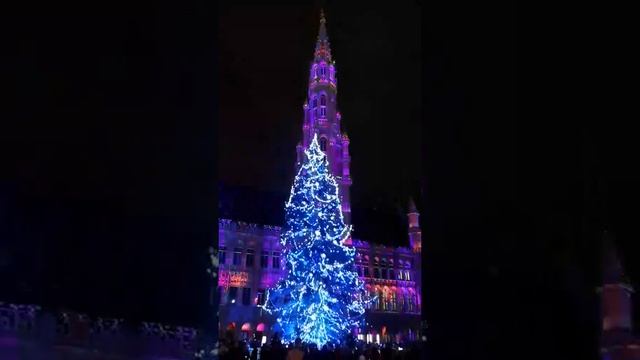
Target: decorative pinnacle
(612, 268)
(322, 34)
(412, 207)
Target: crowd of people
(232, 349)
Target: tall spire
(322, 34)
(612, 271)
(323, 50)
(412, 206)
(322, 118)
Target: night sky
(525, 165)
(122, 123)
(108, 181)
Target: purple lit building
(250, 254)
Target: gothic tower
(321, 116)
(618, 341)
(415, 234)
(415, 242)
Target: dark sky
(265, 53)
(109, 159)
(525, 164)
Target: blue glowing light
(321, 298)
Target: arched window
(385, 299)
(393, 300)
(323, 144)
(323, 100)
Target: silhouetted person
(295, 352)
(278, 351)
(243, 351)
(387, 352)
(312, 352)
(265, 352)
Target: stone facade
(250, 261)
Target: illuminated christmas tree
(321, 297)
